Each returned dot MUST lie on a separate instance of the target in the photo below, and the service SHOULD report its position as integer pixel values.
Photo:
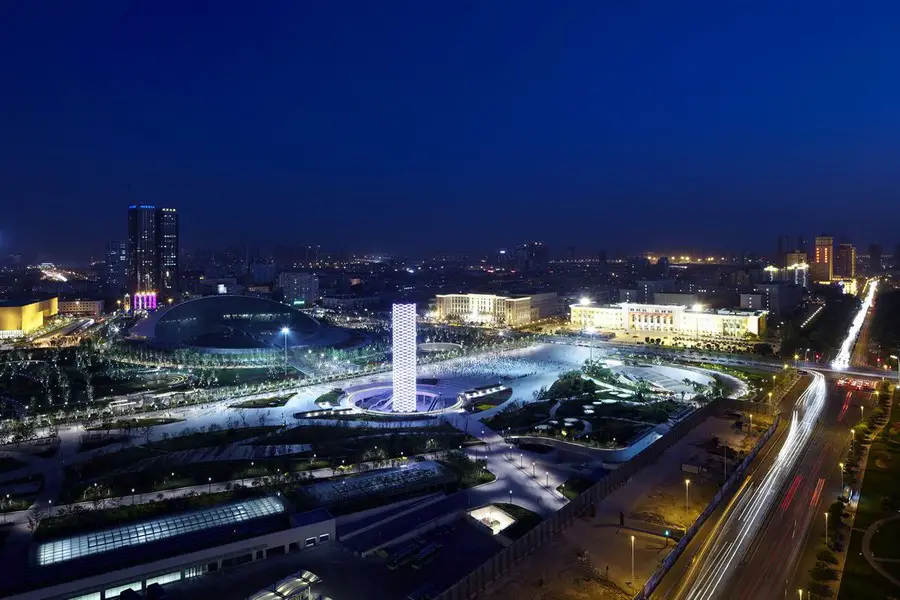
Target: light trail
(842, 360)
(742, 525)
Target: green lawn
(878, 499)
(133, 424)
(574, 486)
(331, 397)
(525, 520)
(171, 476)
(525, 416)
(264, 402)
(208, 440)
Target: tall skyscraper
(875, 265)
(167, 251)
(533, 256)
(845, 262)
(152, 249)
(822, 267)
(142, 274)
(404, 357)
(116, 270)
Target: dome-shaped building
(234, 323)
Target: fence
(692, 530)
(502, 562)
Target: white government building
(494, 310)
(628, 316)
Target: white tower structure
(404, 353)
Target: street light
(209, 485)
(632, 560)
(285, 331)
(510, 496)
(841, 465)
(132, 496)
(547, 473)
(826, 529)
(687, 487)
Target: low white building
(669, 319)
(495, 310)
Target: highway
(717, 562)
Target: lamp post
(826, 529)
(632, 560)
(209, 485)
(841, 465)
(547, 473)
(132, 496)
(687, 500)
(285, 331)
(510, 496)
(532, 468)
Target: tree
(35, 516)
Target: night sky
(420, 126)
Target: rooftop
(145, 532)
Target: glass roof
(144, 532)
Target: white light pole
(285, 331)
(632, 560)
(687, 487)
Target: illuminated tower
(822, 267)
(404, 357)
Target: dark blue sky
(409, 126)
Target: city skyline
(475, 124)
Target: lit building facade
(152, 249)
(496, 311)
(116, 276)
(81, 308)
(300, 289)
(669, 319)
(167, 251)
(19, 318)
(404, 357)
(822, 267)
(142, 273)
(844, 262)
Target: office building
(681, 320)
(116, 268)
(142, 248)
(795, 258)
(778, 298)
(152, 249)
(533, 256)
(844, 262)
(167, 251)
(20, 317)
(495, 311)
(680, 298)
(875, 257)
(822, 267)
(300, 289)
(81, 308)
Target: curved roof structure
(145, 532)
(227, 322)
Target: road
(784, 550)
(707, 573)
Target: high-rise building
(822, 267)
(404, 358)
(845, 262)
(152, 249)
(875, 254)
(142, 275)
(533, 256)
(300, 289)
(116, 269)
(795, 258)
(167, 250)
